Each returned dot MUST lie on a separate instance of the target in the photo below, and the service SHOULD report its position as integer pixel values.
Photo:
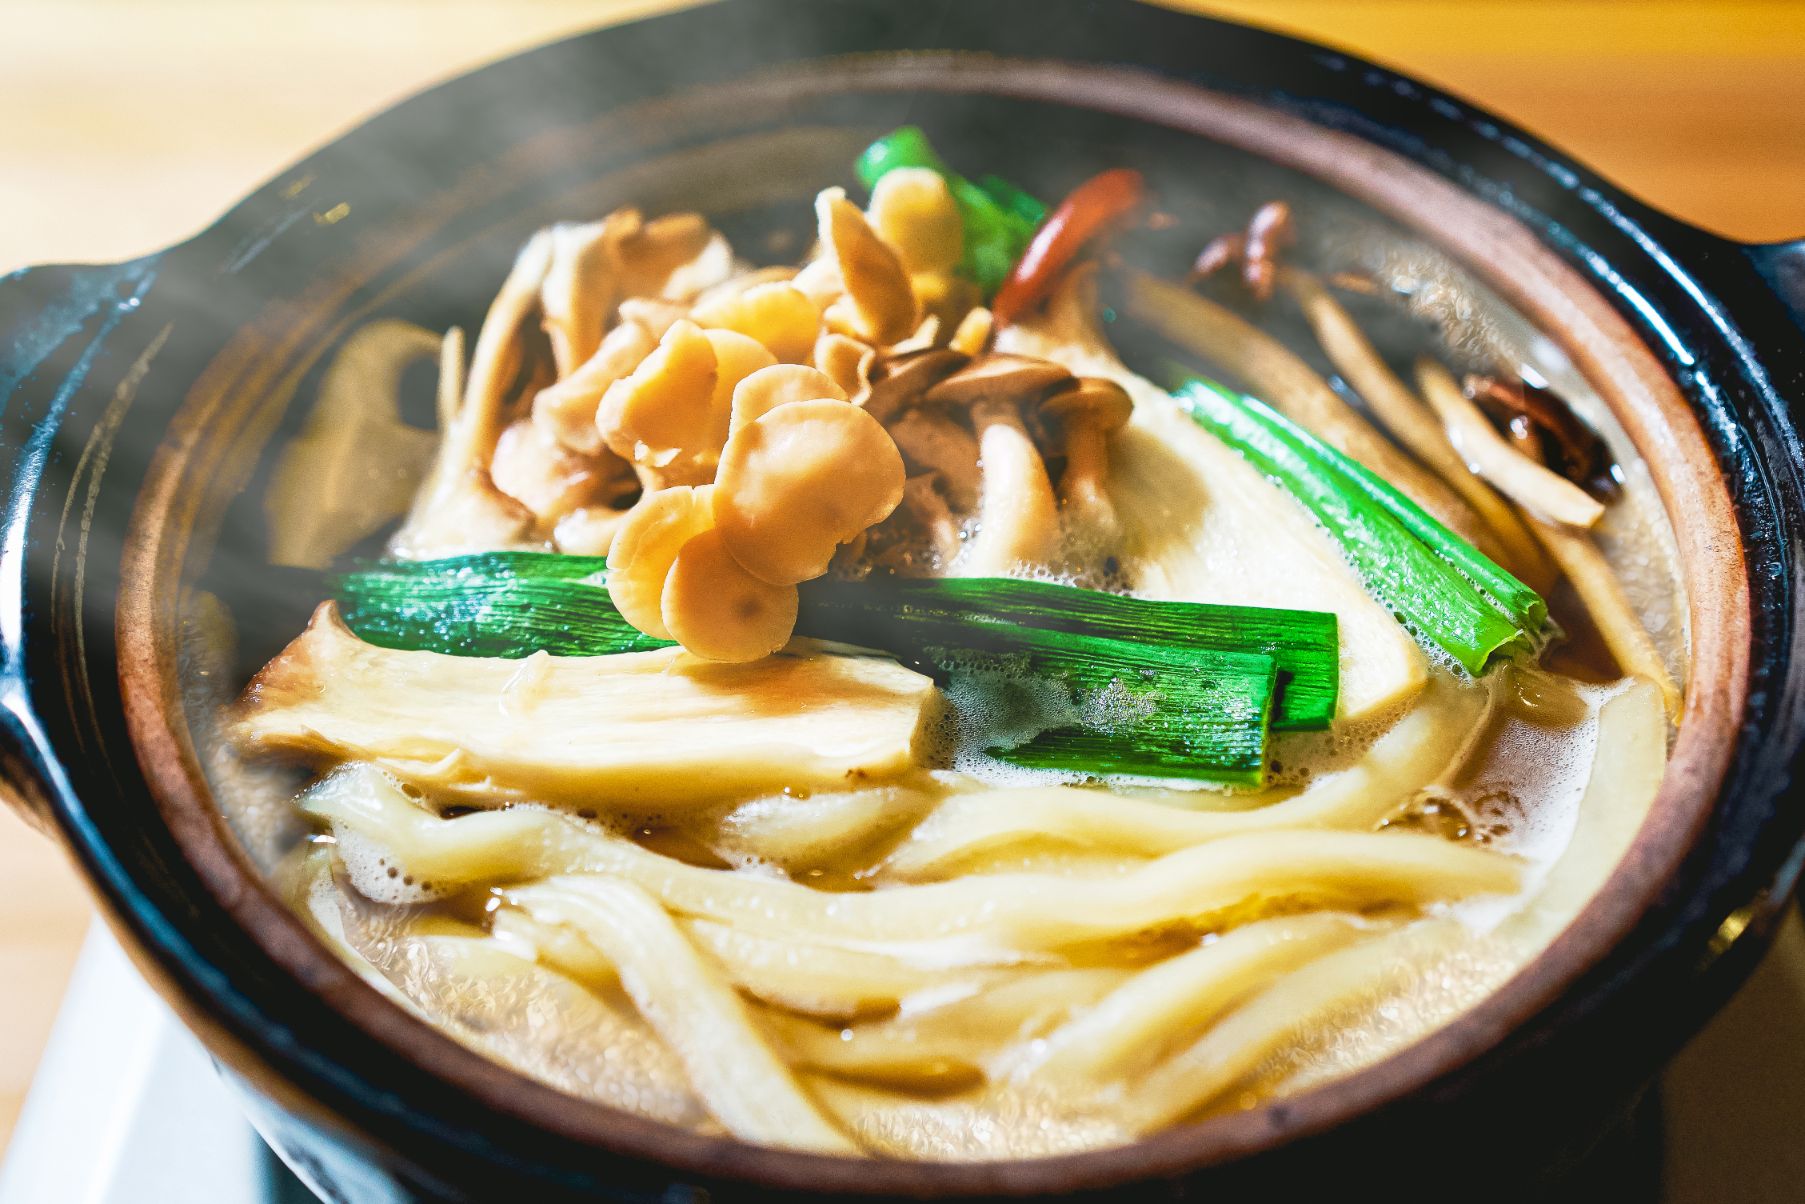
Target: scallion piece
(1440, 587)
(1303, 643)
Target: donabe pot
(140, 403)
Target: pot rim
(1499, 250)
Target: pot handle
(50, 317)
(1782, 264)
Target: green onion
(1095, 683)
(1440, 587)
(1303, 643)
(999, 218)
(500, 604)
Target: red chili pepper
(1092, 208)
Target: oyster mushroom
(458, 508)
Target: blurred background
(126, 125)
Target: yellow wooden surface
(128, 124)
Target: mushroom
(355, 465)
(734, 285)
(1255, 249)
(848, 362)
(819, 279)
(879, 306)
(654, 314)
(458, 508)
(925, 335)
(778, 314)
(589, 530)
(578, 287)
(800, 481)
(935, 443)
(646, 545)
(566, 410)
(780, 384)
(901, 380)
(973, 332)
(1081, 419)
(548, 478)
(1008, 377)
(912, 209)
(927, 511)
(1018, 520)
(736, 357)
(719, 611)
(658, 416)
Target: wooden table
(127, 125)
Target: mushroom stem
(1018, 522)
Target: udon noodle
(658, 833)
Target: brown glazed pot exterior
(140, 401)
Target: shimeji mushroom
(645, 547)
(899, 380)
(879, 306)
(768, 388)
(933, 441)
(1081, 419)
(799, 482)
(719, 611)
(1018, 520)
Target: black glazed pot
(98, 365)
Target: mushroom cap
(719, 611)
(799, 482)
(1092, 402)
(1008, 377)
(899, 381)
(646, 545)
